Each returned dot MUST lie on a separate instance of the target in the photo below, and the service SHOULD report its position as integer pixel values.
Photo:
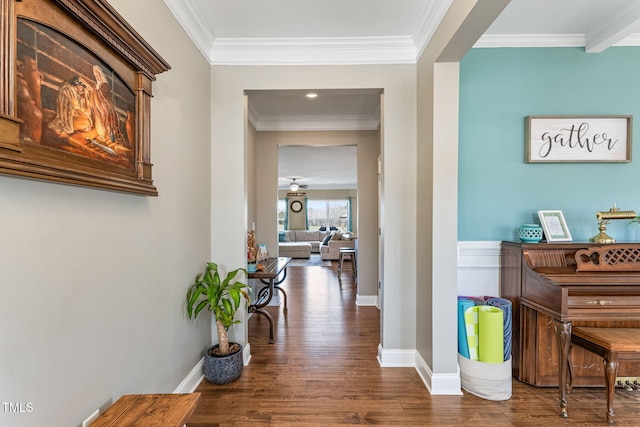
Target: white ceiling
(280, 32)
(309, 165)
(336, 109)
(286, 32)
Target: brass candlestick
(604, 218)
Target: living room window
(320, 213)
(328, 213)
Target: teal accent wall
(498, 191)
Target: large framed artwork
(584, 139)
(75, 92)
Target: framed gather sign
(555, 139)
(75, 95)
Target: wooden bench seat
(144, 410)
(613, 345)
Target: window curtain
(306, 215)
(286, 213)
(350, 213)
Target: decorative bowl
(530, 233)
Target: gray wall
(93, 282)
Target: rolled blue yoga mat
(463, 344)
(505, 305)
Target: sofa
(302, 243)
(330, 250)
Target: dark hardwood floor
(322, 371)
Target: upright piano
(554, 286)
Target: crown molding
(253, 116)
(545, 40)
(357, 50)
(530, 40)
(632, 40)
(191, 21)
(431, 17)
(307, 51)
(313, 51)
(315, 123)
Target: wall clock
(296, 206)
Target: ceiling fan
(294, 186)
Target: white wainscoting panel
(479, 268)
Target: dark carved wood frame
(105, 33)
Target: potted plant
(222, 297)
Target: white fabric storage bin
(491, 381)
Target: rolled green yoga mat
(490, 334)
(471, 322)
(485, 333)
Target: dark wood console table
(274, 273)
(549, 296)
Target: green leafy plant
(222, 297)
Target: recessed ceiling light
(312, 95)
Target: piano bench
(613, 345)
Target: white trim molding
(367, 300)
(549, 40)
(192, 380)
(530, 40)
(431, 17)
(192, 22)
(396, 358)
(438, 384)
(479, 268)
(314, 123)
(403, 49)
(312, 51)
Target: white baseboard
(246, 354)
(396, 358)
(367, 300)
(192, 380)
(440, 384)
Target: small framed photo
(554, 226)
